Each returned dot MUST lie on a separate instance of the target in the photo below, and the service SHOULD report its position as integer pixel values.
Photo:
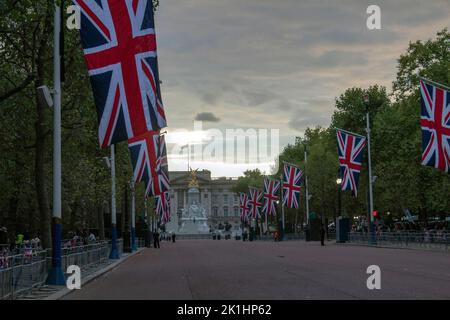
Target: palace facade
(216, 196)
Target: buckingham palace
(216, 196)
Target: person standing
(173, 237)
(322, 235)
(156, 239)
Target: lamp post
(339, 183)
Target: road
(229, 269)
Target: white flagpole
(369, 160)
(282, 206)
(114, 252)
(306, 190)
(56, 275)
(267, 223)
(133, 216)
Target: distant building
(216, 196)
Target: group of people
(158, 236)
(77, 239)
(22, 245)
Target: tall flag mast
(369, 162)
(306, 189)
(56, 275)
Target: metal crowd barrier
(193, 236)
(24, 272)
(421, 240)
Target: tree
(429, 59)
(252, 178)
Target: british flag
(292, 176)
(270, 196)
(255, 203)
(149, 159)
(162, 207)
(119, 43)
(435, 123)
(243, 206)
(350, 148)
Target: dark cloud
(207, 117)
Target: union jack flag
(270, 196)
(435, 122)
(292, 176)
(149, 159)
(119, 43)
(350, 148)
(255, 203)
(162, 202)
(243, 206)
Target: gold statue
(194, 180)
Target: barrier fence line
(420, 240)
(24, 272)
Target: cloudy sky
(267, 64)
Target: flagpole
(56, 275)
(114, 252)
(147, 222)
(306, 190)
(369, 160)
(133, 216)
(267, 223)
(282, 207)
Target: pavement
(88, 273)
(235, 270)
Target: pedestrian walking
(173, 237)
(156, 239)
(322, 235)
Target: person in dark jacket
(156, 239)
(322, 235)
(173, 237)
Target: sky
(274, 67)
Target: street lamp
(339, 183)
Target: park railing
(21, 273)
(404, 239)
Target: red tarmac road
(229, 269)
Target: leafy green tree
(251, 178)
(429, 59)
